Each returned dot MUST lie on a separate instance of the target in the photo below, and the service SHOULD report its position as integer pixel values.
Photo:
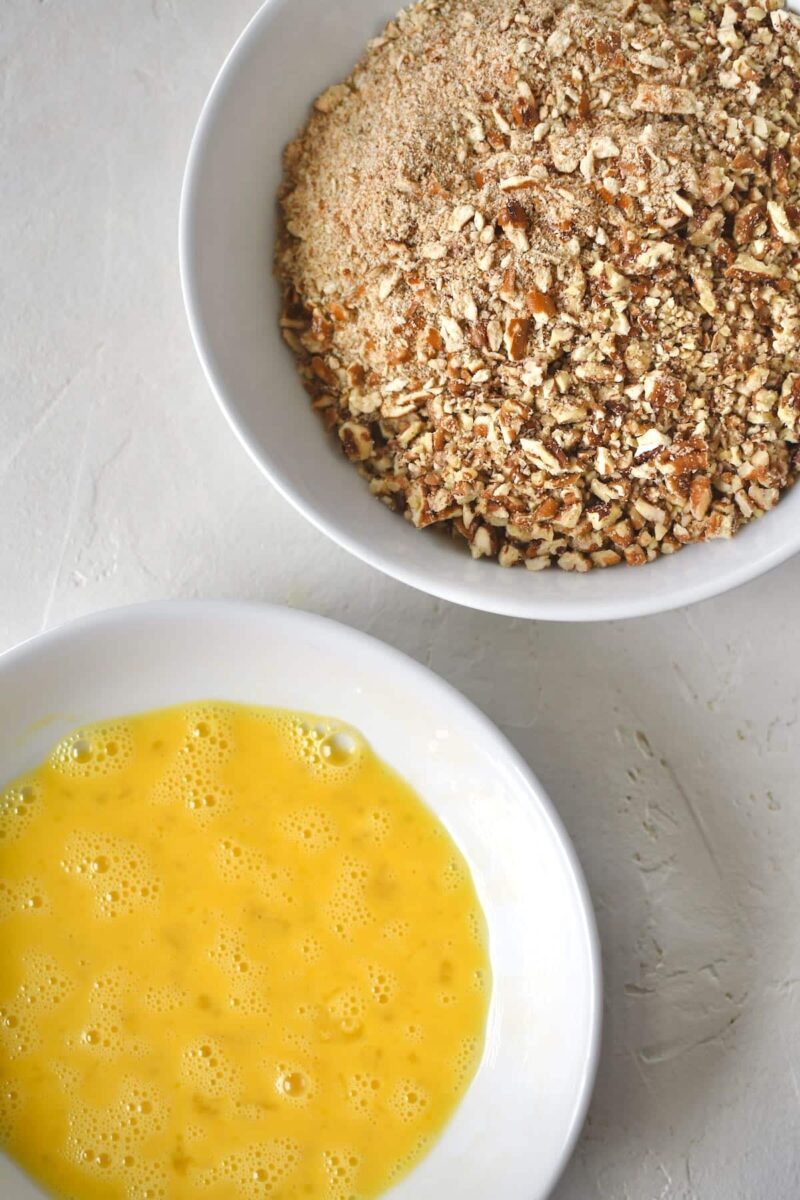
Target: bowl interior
(291, 51)
(517, 1123)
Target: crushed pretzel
(541, 271)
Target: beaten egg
(239, 959)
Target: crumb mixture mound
(541, 268)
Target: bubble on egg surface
(27, 897)
(396, 930)
(326, 747)
(466, 1061)
(43, 988)
(191, 778)
(239, 863)
(338, 748)
(404, 1164)
(209, 734)
(46, 984)
(66, 1075)
(206, 1067)
(378, 822)
(348, 909)
(308, 948)
(246, 976)
(341, 1167)
(364, 1089)
(11, 1103)
(382, 984)
(476, 926)
(104, 1032)
(347, 1010)
(19, 803)
(19, 1032)
(310, 828)
(94, 751)
(165, 998)
(145, 1180)
(455, 875)
(408, 1100)
(260, 1170)
(196, 788)
(347, 915)
(414, 1032)
(115, 869)
(294, 1083)
(107, 1140)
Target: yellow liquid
(239, 958)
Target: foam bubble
(466, 1061)
(327, 748)
(103, 1033)
(396, 930)
(27, 896)
(382, 984)
(19, 1033)
(18, 805)
(94, 750)
(408, 1100)
(299, 1041)
(239, 863)
(259, 1170)
(341, 1167)
(105, 1141)
(311, 828)
(10, 1106)
(346, 915)
(455, 875)
(165, 998)
(45, 985)
(115, 869)
(209, 735)
(68, 1076)
(379, 825)
(195, 787)
(196, 1133)
(347, 908)
(191, 779)
(347, 1009)
(309, 948)
(205, 1066)
(294, 1083)
(407, 1161)
(246, 977)
(145, 1180)
(476, 926)
(363, 1093)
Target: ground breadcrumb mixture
(541, 268)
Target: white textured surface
(671, 745)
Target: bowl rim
(522, 603)
(155, 612)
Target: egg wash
(239, 960)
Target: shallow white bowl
(291, 51)
(512, 1134)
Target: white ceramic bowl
(291, 51)
(516, 1127)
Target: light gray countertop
(670, 745)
